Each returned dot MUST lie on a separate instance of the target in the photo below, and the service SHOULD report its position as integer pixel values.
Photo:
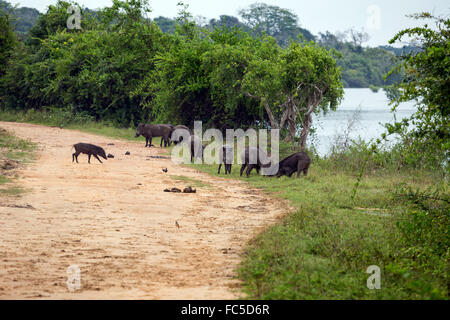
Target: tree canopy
(427, 82)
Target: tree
(427, 82)
(358, 38)
(166, 25)
(93, 71)
(282, 24)
(8, 40)
(53, 21)
(198, 79)
(228, 21)
(305, 81)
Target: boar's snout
(137, 134)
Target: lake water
(371, 109)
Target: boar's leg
(250, 168)
(146, 142)
(220, 165)
(243, 167)
(301, 168)
(305, 170)
(166, 141)
(228, 168)
(75, 155)
(89, 158)
(150, 141)
(96, 157)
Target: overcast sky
(380, 18)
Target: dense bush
(426, 134)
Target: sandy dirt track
(115, 222)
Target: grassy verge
(13, 153)
(190, 181)
(69, 121)
(323, 249)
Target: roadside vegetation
(323, 248)
(14, 152)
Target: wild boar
(148, 131)
(196, 147)
(258, 158)
(88, 149)
(179, 139)
(297, 162)
(226, 157)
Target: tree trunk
(306, 126)
(273, 122)
(290, 117)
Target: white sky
(380, 18)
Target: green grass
(12, 191)
(68, 121)
(4, 179)
(323, 248)
(18, 150)
(190, 181)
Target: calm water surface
(371, 109)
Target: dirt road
(115, 223)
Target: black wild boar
(88, 149)
(261, 158)
(297, 162)
(148, 131)
(180, 138)
(167, 141)
(196, 147)
(226, 157)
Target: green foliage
(23, 18)
(426, 133)
(199, 79)
(293, 83)
(91, 72)
(50, 23)
(361, 67)
(425, 221)
(229, 22)
(8, 41)
(166, 25)
(426, 82)
(16, 150)
(282, 24)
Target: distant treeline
(362, 67)
(120, 67)
(25, 18)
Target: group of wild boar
(298, 162)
